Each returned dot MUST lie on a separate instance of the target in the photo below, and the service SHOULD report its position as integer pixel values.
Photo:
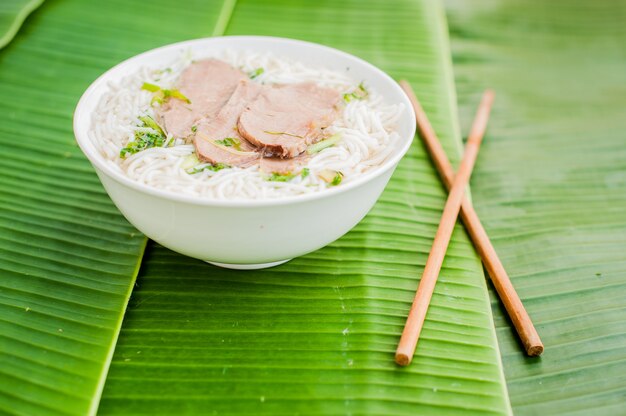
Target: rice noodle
(366, 126)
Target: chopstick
(415, 320)
(512, 303)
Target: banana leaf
(317, 335)
(12, 15)
(68, 259)
(550, 186)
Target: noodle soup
(133, 131)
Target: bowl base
(248, 266)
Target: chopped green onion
(158, 98)
(228, 148)
(174, 93)
(194, 128)
(230, 142)
(144, 139)
(256, 73)
(161, 94)
(141, 142)
(323, 144)
(150, 87)
(284, 177)
(190, 161)
(333, 178)
(337, 179)
(200, 168)
(282, 132)
(149, 122)
(358, 94)
(277, 177)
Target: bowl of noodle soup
(244, 217)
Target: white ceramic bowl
(246, 234)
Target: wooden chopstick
(514, 307)
(415, 321)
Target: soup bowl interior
(245, 234)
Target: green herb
(174, 93)
(358, 94)
(277, 177)
(337, 179)
(282, 132)
(200, 168)
(333, 178)
(149, 122)
(280, 177)
(194, 128)
(150, 87)
(323, 144)
(190, 161)
(161, 95)
(256, 73)
(230, 142)
(144, 139)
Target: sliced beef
(217, 139)
(285, 119)
(289, 166)
(208, 84)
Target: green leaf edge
(97, 394)
(449, 74)
(26, 10)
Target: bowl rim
(98, 161)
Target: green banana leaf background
(317, 335)
(550, 187)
